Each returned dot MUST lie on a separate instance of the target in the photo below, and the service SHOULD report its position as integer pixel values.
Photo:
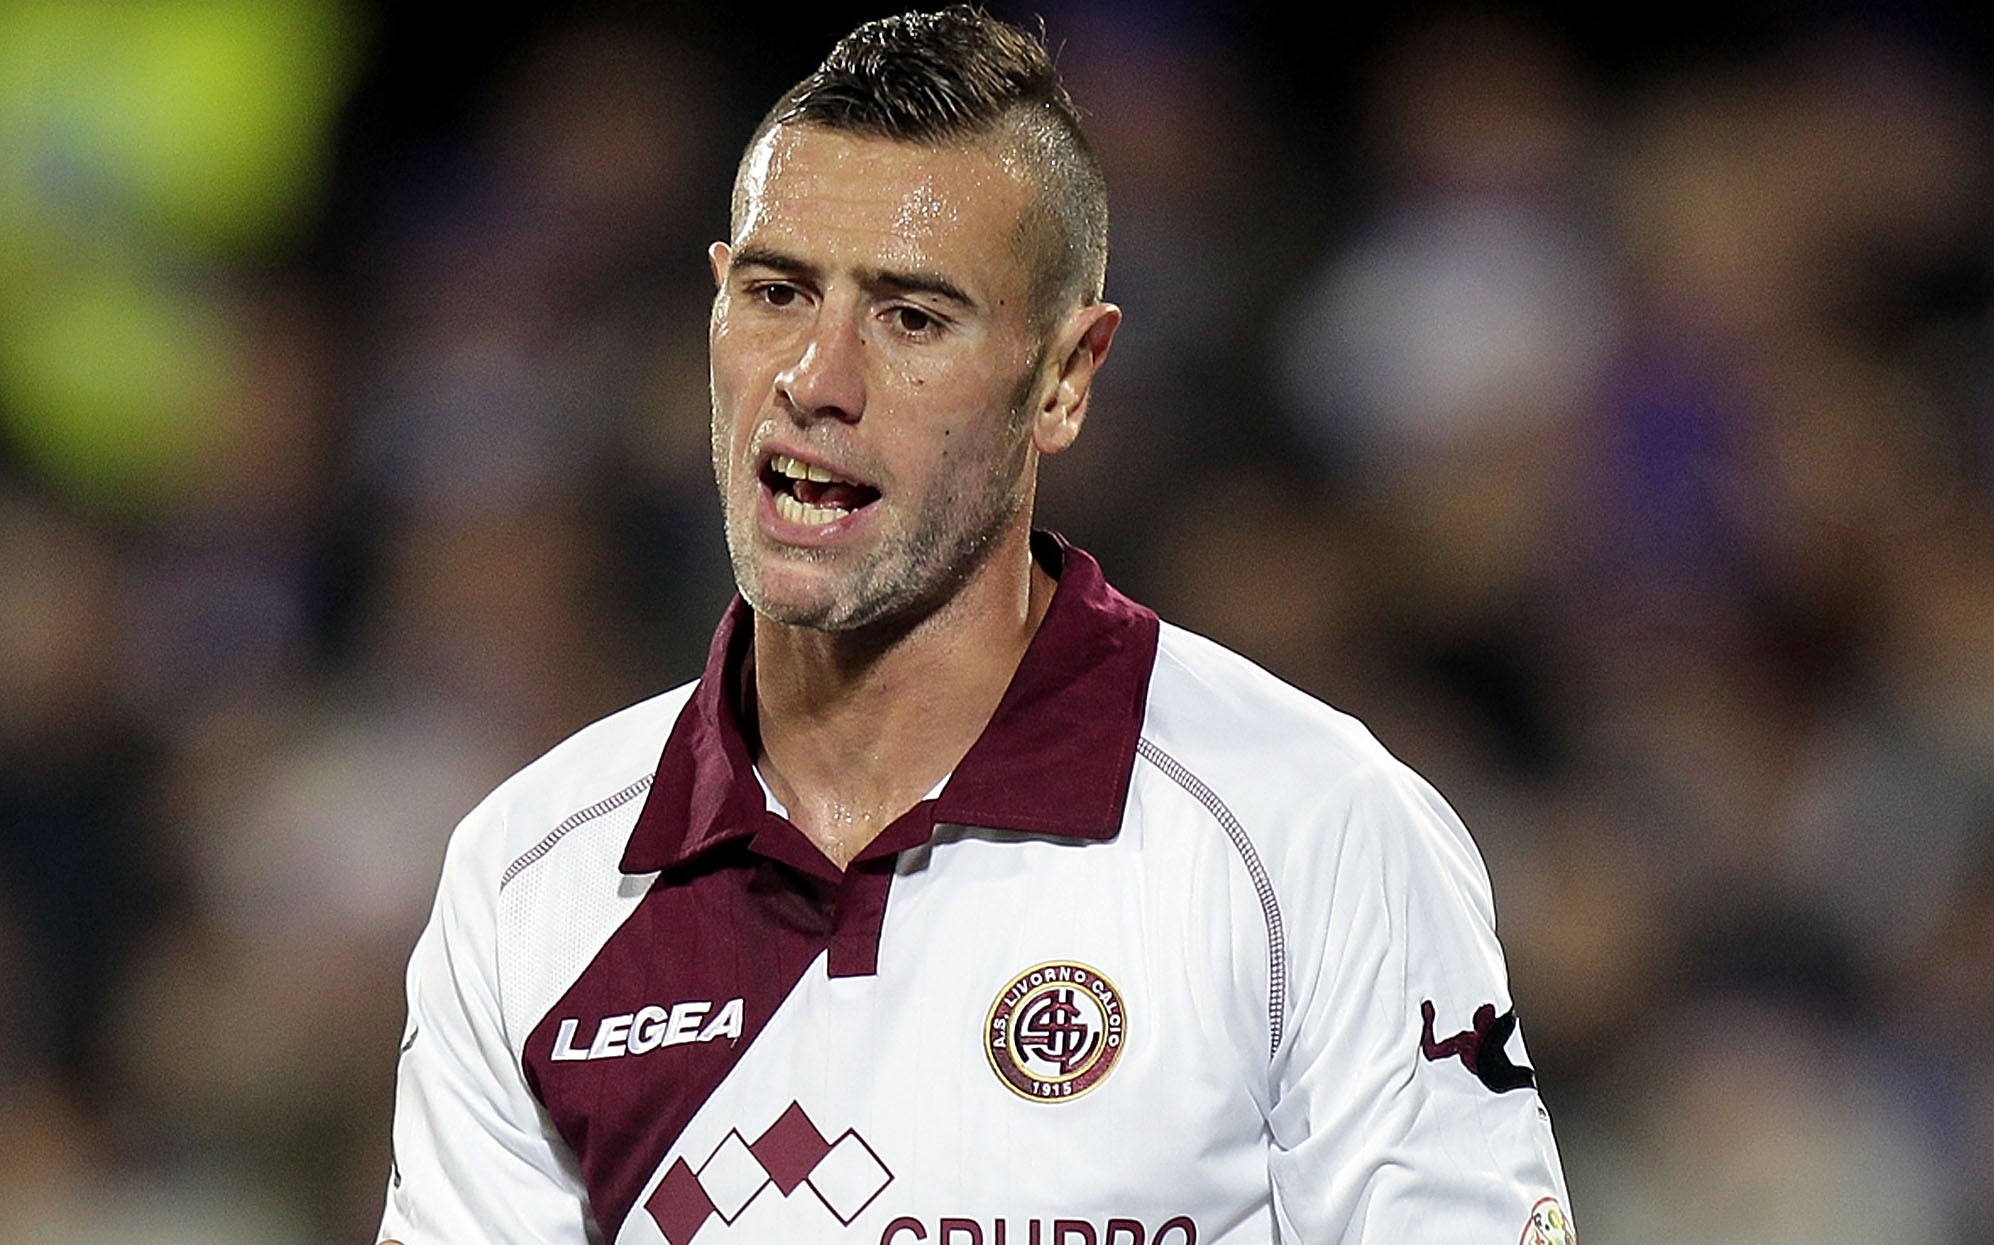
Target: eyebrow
(876, 280)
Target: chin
(821, 610)
(817, 615)
(795, 600)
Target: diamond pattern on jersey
(732, 1177)
(846, 1175)
(679, 1205)
(790, 1148)
(850, 1176)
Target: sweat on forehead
(958, 77)
(765, 158)
(999, 164)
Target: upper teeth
(788, 466)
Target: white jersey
(1176, 956)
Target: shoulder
(1217, 711)
(1307, 786)
(601, 767)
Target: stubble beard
(907, 574)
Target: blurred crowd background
(1599, 405)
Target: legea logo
(649, 1028)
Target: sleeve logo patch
(1548, 1225)
(1482, 1049)
(1055, 1031)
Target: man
(967, 902)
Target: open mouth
(808, 494)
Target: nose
(827, 380)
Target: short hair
(958, 75)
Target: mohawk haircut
(960, 76)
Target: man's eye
(912, 320)
(776, 295)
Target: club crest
(1055, 1031)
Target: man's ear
(1080, 346)
(717, 255)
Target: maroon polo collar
(1054, 760)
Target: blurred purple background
(1601, 406)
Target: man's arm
(1405, 1107)
(474, 1156)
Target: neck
(857, 727)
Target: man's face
(873, 367)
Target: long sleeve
(476, 1161)
(1404, 1106)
